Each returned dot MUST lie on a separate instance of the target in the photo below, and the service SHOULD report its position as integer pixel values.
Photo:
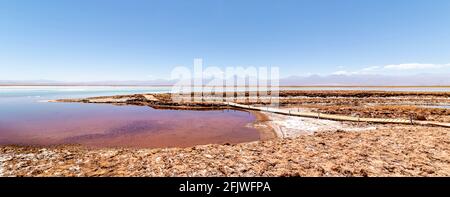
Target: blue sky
(142, 40)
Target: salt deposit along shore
(290, 146)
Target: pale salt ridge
(292, 126)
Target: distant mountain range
(311, 80)
(369, 80)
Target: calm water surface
(25, 119)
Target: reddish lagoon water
(26, 121)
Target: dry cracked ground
(393, 150)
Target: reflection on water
(108, 125)
(24, 120)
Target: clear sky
(95, 40)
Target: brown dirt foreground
(391, 151)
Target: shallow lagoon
(26, 119)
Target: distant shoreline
(284, 86)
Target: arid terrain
(300, 147)
(389, 151)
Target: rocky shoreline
(370, 104)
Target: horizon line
(306, 86)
